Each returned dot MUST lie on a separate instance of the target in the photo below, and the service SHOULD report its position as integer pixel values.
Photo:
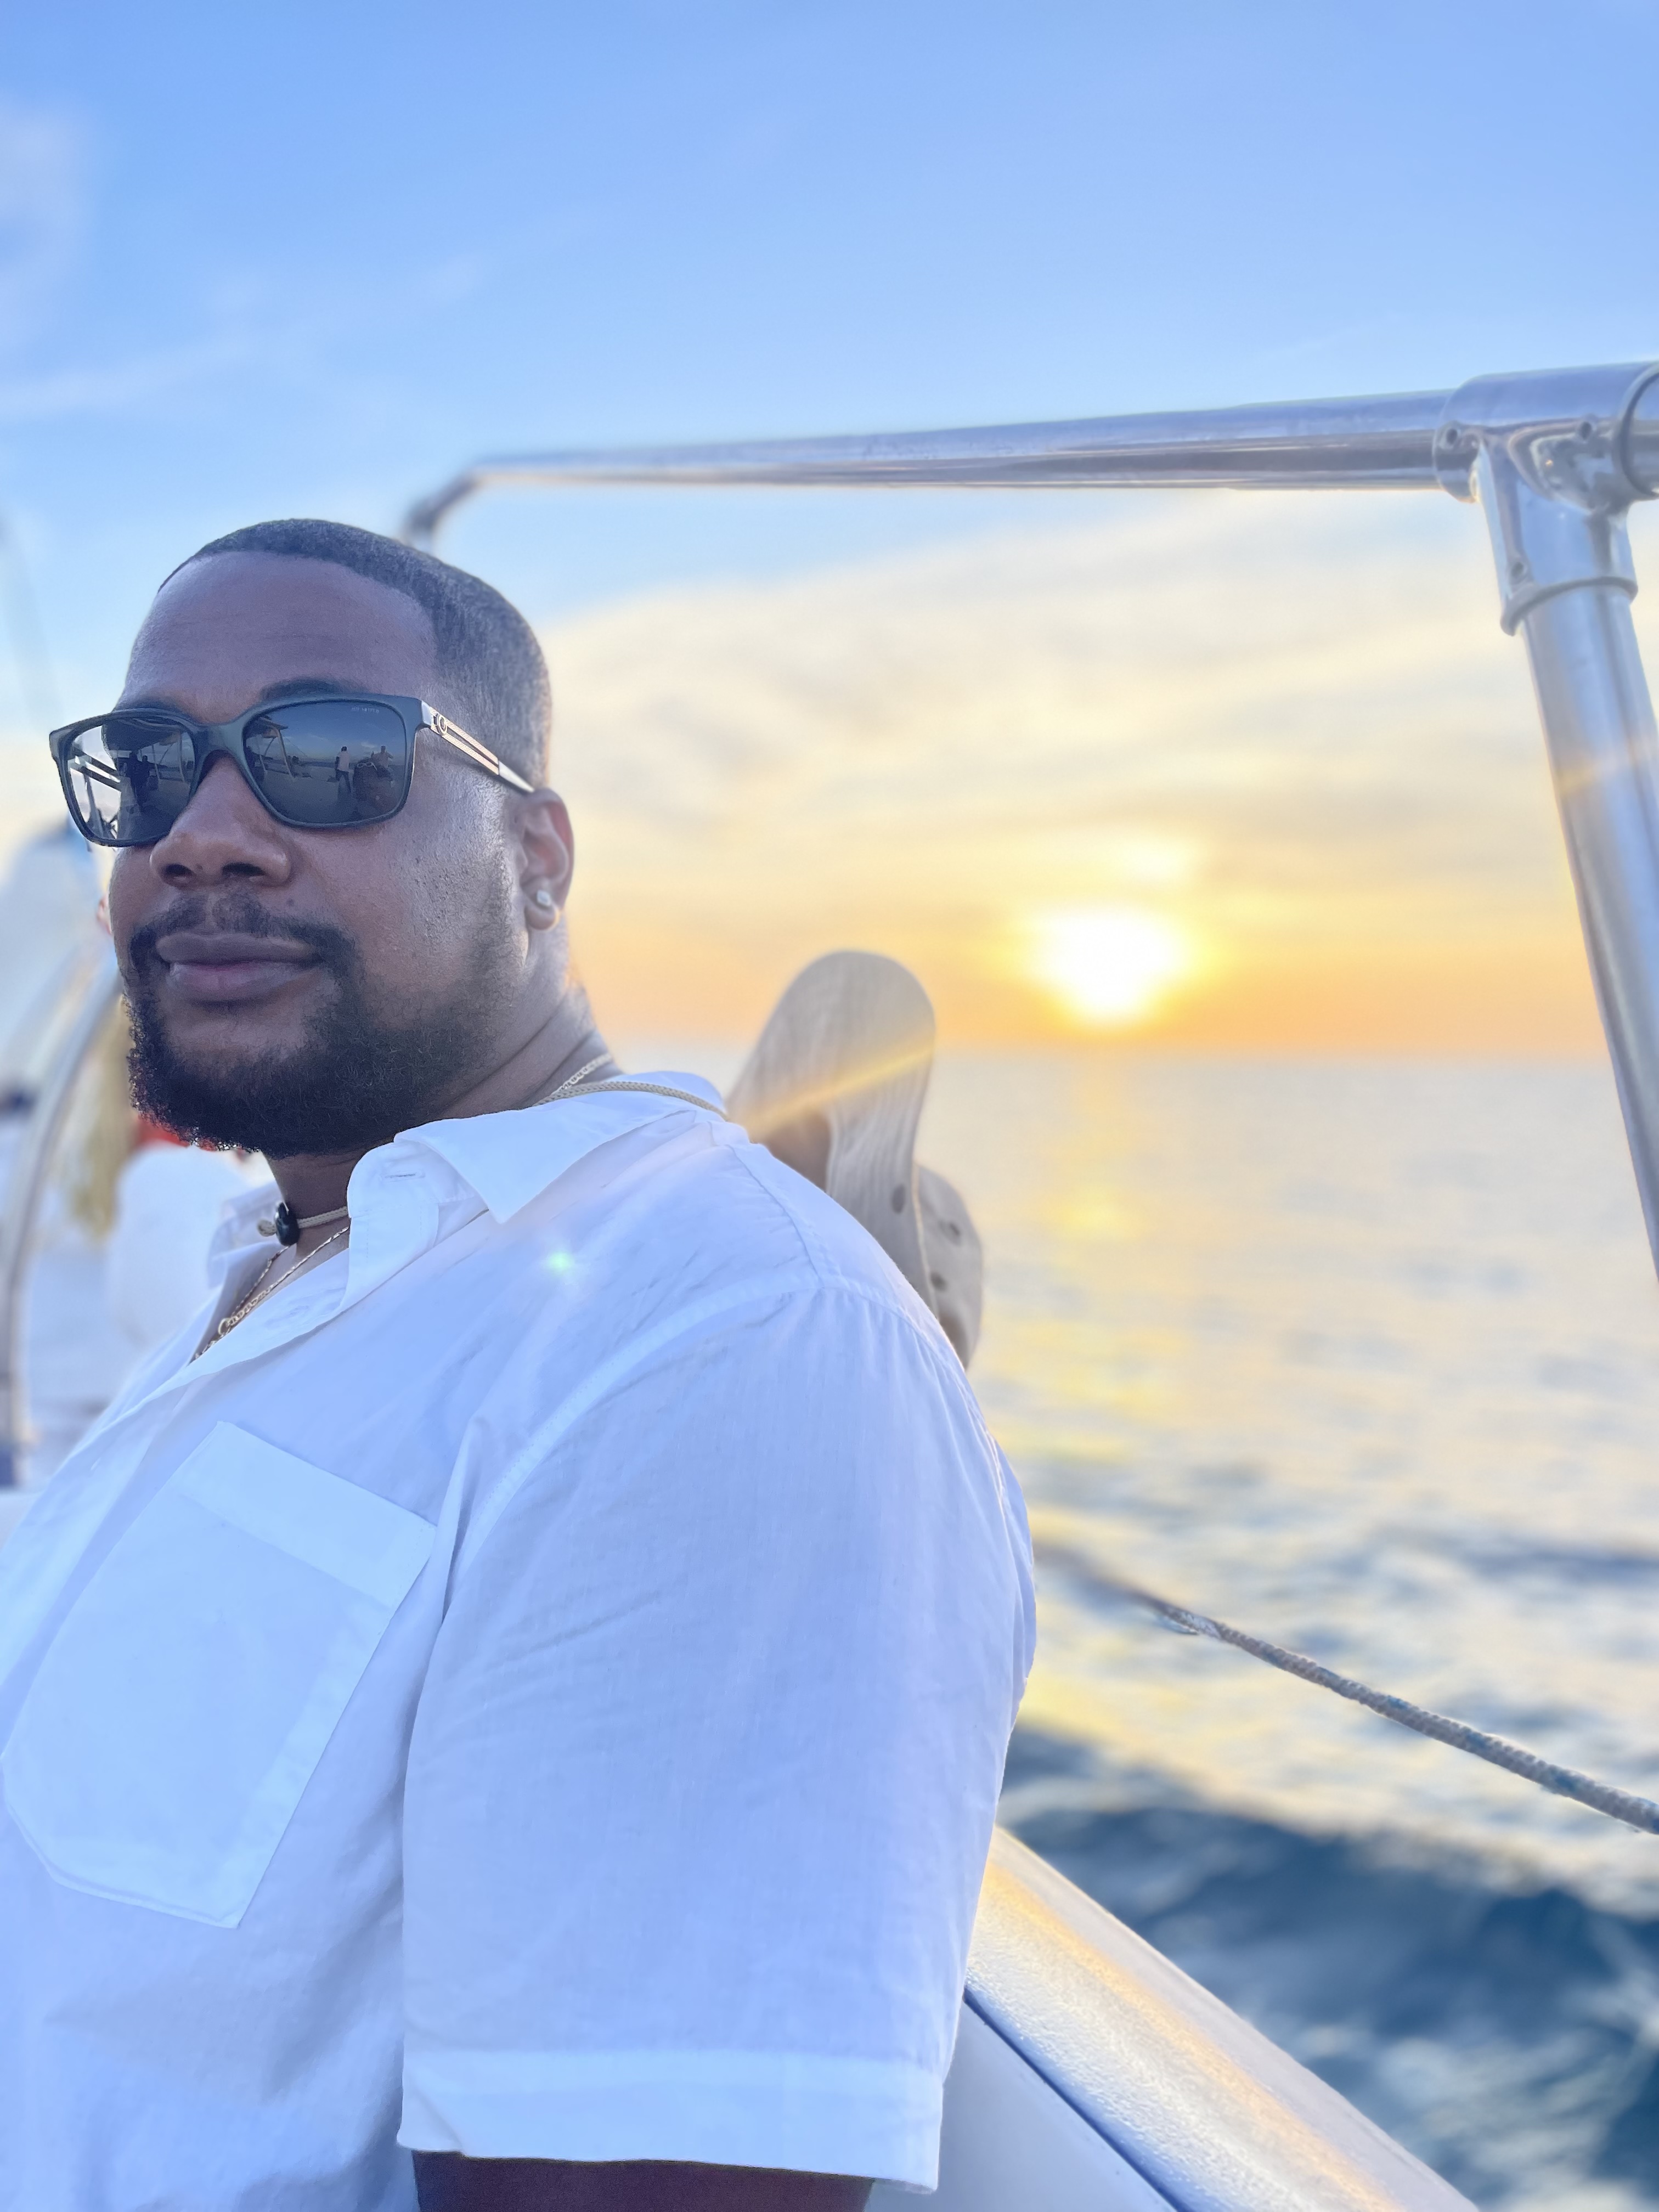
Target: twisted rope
(1562, 1781)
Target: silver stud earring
(543, 897)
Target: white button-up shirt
(537, 1688)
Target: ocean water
(1364, 1357)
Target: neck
(315, 1182)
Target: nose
(224, 836)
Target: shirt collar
(405, 1197)
(505, 1159)
(510, 1158)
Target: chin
(225, 1050)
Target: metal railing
(1555, 458)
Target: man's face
(308, 991)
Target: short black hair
(487, 652)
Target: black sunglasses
(334, 763)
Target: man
(506, 1708)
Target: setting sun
(1110, 966)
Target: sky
(1240, 772)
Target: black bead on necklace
(287, 1227)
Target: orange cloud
(1280, 739)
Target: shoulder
(691, 1209)
(832, 1247)
(708, 1321)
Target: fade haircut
(487, 652)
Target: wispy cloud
(42, 214)
(122, 386)
(46, 210)
(231, 318)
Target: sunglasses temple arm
(480, 755)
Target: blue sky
(310, 259)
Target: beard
(359, 1074)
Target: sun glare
(1110, 966)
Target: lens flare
(1109, 966)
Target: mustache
(241, 913)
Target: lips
(225, 968)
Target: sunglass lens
(130, 777)
(326, 763)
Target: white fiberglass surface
(1008, 2141)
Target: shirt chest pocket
(182, 1707)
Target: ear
(547, 857)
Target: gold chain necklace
(259, 1293)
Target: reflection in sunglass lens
(130, 776)
(321, 764)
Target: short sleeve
(702, 1777)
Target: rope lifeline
(1563, 1781)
